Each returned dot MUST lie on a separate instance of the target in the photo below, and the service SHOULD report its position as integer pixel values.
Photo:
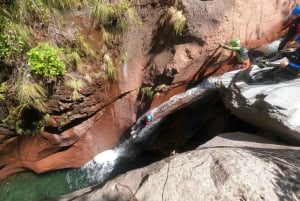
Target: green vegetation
(175, 19)
(65, 4)
(63, 121)
(124, 58)
(75, 59)
(82, 47)
(110, 68)
(37, 49)
(28, 96)
(147, 92)
(113, 18)
(76, 85)
(107, 38)
(3, 90)
(14, 40)
(29, 12)
(45, 60)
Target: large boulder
(232, 166)
(264, 97)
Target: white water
(103, 165)
(95, 171)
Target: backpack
(243, 52)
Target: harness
(293, 56)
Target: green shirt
(241, 52)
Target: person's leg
(276, 63)
(244, 65)
(283, 42)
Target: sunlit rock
(265, 97)
(232, 166)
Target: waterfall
(105, 165)
(112, 162)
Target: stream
(29, 186)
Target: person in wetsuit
(289, 57)
(241, 54)
(293, 26)
(140, 124)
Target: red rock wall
(209, 23)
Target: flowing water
(37, 187)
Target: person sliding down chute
(147, 119)
(140, 124)
(241, 54)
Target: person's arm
(230, 47)
(294, 65)
(287, 24)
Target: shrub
(14, 40)
(45, 60)
(148, 92)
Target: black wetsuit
(294, 29)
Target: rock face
(209, 23)
(155, 58)
(266, 98)
(232, 166)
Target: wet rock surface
(105, 112)
(231, 166)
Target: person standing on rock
(293, 27)
(241, 54)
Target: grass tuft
(176, 19)
(77, 85)
(76, 60)
(110, 68)
(29, 93)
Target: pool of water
(29, 186)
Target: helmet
(235, 42)
(296, 10)
(297, 39)
(149, 117)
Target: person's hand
(221, 45)
(289, 49)
(284, 64)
